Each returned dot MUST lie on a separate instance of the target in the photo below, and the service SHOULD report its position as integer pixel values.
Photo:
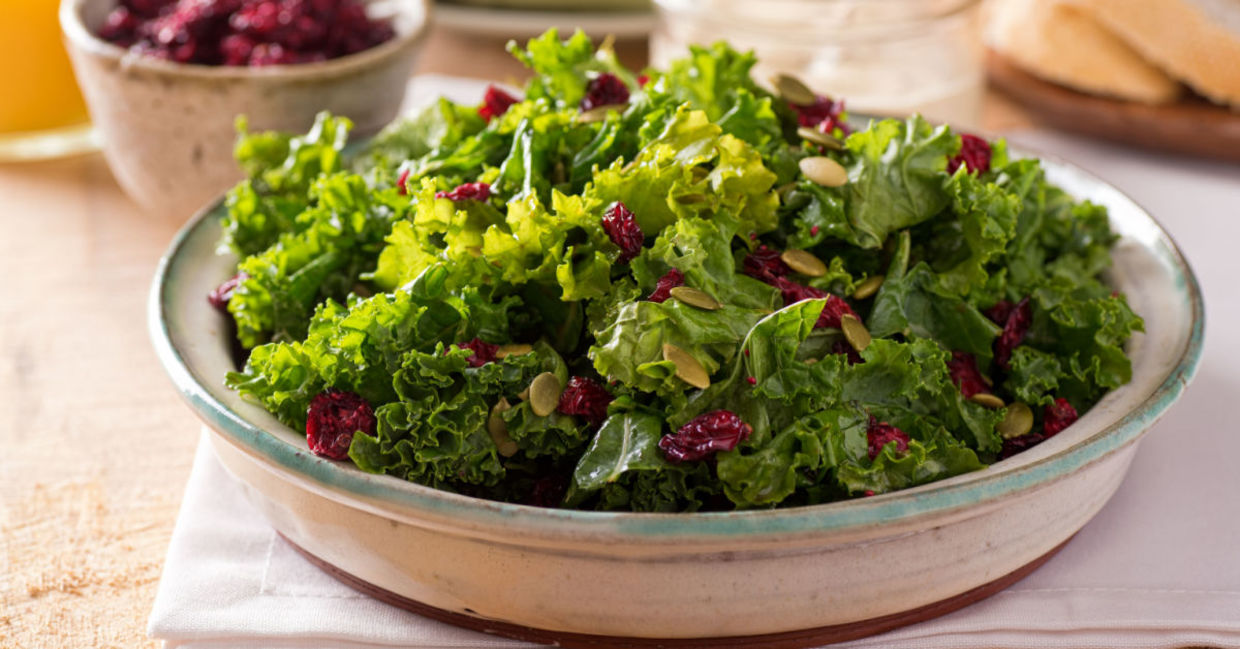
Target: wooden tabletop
(95, 445)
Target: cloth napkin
(1157, 568)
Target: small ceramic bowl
(790, 577)
(168, 128)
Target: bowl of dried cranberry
(793, 577)
(166, 80)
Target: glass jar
(42, 113)
(888, 57)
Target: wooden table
(95, 445)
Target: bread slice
(1060, 43)
(1196, 41)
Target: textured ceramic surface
(168, 128)
(691, 575)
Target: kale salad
(670, 291)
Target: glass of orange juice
(41, 111)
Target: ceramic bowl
(791, 577)
(168, 128)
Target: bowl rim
(75, 32)
(394, 496)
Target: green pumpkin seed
(793, 90)
(1018, 421)
(545, 392)
(868, 287)
(695, 298)
(815, 136)
(515, 349)
(854, 332)
(688, 369)
(498, 428)
(824, 171)
(598, 113)
(987, 400)
(804, 263)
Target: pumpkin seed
(598, 113)
(987, 400)
(498, 428)
(868, 287)
(688, 369)
(524, 395)
(793, 90)
(545, 392)
(815, 136)
(804, 263)
(1018, 421)
(515, 349)
(694, 297)
(854, 332)
(824, 171)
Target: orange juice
(37, 88)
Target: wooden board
(1192, 126)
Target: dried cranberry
(794, 292)
(1017, 444)
(623, 230)
(963, 370)
(1057, 416)
(764, 264)
(999, 313)
(824, 114)
(719, 430)
(605, 90)
(120, 27)
(842, 347)
(835, 309)
(220, 295)
(548, 491)
(642, 80)
(467, 192)
(1014, 330)
(663, 288)
(495, 102)
(483, 352)
(974, 154)
(880, 433)
(585, 398)
(145, 8)
(236, 49)
(402, 183)
(333, 418)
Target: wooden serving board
(1193, 126)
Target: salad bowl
(787, 577)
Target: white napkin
(1157, 568)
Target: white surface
(1157, 567)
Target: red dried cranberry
(824, 114)
(120, 27)
(623, 230)
(483, 352)
(1057, 416)
(842, 347)
(548, 491)
(220, 295)
(663, 288)
(999, 313)
(402, 183)
(963, 370)
(1017, 444)
(835, 309)
(467, 192)
(880, 433)
(333, 418)
(145, 8)
(764, 264)
(719, 430)
(585, 398)
(495, 102)
(794, 292)
(642, 80)
(974, 154)
(1014, 330)
(605, 90)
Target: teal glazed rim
(363, 490)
